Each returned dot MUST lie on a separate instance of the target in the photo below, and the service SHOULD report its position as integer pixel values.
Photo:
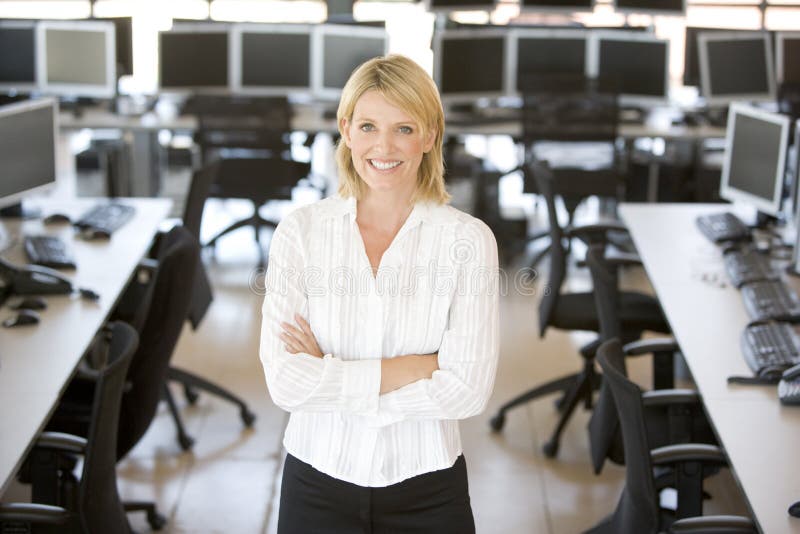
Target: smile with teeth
(384, 165)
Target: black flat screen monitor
(787, 58)
(194, 58)
(691, 54)
(633, 65)
(736, 66)
(663, 7)
(470, 64)
(557, 5)
(77, 58)
(27, 150)
(123, 27)
(272, 59)
(17, 69)
(341, 49)
(755, 158)
(438, 6)
(546, 53)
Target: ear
(430, 138)
(344, 128)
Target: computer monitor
(542, 52)
(271, 59)
(755, 158)
(556, 5)
(76, 59)
(123, 28)
(651, 7)
(736, 66)
(787, 57)
(439, 6)
(28, 150)
(632, 64)
(18, 69)
(471, 64)
(338, 50)
(194, 58)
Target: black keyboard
(48, 251)
(106, 217)
(770, 346)
(719, 227)
(771, 299)
(745, 266)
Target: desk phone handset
(33, 280)
(789, 386)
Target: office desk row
(308, 118)
(36, 362)
(760, 436)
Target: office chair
(170, 293)
(638, 509)
(573, 127)
(680, 422)
(576, 311)
(250, 137)
(96, 508)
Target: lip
(371, 162)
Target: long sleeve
(469, 349)
(301, 382)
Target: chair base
(154, 519)
(256, 221)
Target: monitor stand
(18, 211)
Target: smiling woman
(377, 370)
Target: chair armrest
(669, 397)
(617, 258)
(148, 265)
(731, 524)
(688, 452)
(33, 513)
(649, 346)
(590, 232)
(61, 442)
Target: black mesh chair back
(605, 282)
(170, 300)
(558, 253)
(99, 502)
(198, 194)
(638, 508)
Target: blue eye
(406, 129)
(367, 127)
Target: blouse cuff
(361, 385)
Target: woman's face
(387, 145)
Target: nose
(385, 142)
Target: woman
(380, 323)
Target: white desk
(760, 436)
(36, 362)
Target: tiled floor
(229, 482)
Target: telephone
(789, 386)
(33, 280)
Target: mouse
(22, 318)
(57, 218)
(794, 509)
(30, 303)
(95, 233)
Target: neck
(385, 211)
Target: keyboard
(719, 227)
(789, 391)
(48, 251)
(106, 217)
(770, 299)
(770, 346)
(745, 266)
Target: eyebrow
(401, 123)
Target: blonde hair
(406, 85)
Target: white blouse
(436, 290)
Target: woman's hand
(300, 338)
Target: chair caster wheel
(247, 417)
(186, 441)
(497, 422)
(550, 449)
(156, 520)
(191, 395)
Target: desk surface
(760, 436)
(309, 118)
(36, 362)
